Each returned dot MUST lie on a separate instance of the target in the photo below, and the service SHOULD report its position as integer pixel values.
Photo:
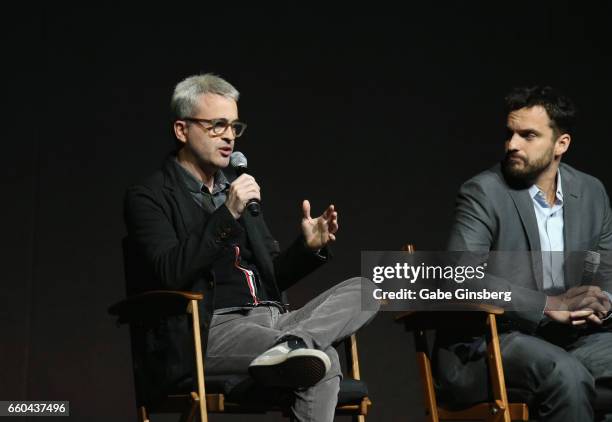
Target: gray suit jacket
(490, 215)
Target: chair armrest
(458, 315)
(153, 305)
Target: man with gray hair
(189, 229)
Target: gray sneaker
(290, 364)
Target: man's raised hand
(319, 231)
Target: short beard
(527, 175)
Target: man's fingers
(332, 222)
(576, 291)
(582, 313)
(581, 290)
(591, 302)
(598, 307)
(244, 183)
(594, 319)
(246, 193)
(328, 212)
(253, 194)
(244, 179)
(306, 208)
(582, 316)
(583, 302)
(241, 190)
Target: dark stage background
(382, 112)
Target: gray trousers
(235, 339)
(559, 379)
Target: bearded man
(557, 349)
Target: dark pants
(558, 380)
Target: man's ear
(180, 131)
(562, 144)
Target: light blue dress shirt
(550, 229)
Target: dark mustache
(514, 155)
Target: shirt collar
(195, 186)
(536, 193)
(221, 182)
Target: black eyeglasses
(219, 126)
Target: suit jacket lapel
(186, 206)
(524, 206)
(571, 219)
(571, 210)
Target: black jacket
(171, 244)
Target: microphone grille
(237, 159)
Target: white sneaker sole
(300, 368)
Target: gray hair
(187, 92)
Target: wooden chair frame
(160, 303)
(419, 322)
(499, 409)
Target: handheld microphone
(239, 162)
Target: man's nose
(228, 134)
(514, 143)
